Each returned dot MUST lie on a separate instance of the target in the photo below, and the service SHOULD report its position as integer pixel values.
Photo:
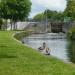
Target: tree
(54, 15)
(49, 15)
(39, 17)
(3, 12)
(70, 9)
(15, 10)
(20, 10)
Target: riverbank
(17, 59)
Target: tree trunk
(15, 25)
(0, 27)
(11, 24)
(6, 25)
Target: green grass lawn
(17, 59)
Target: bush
(71, 33)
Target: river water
(57, 42)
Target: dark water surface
(60, 47)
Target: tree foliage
(15, 10)
(54, 15)
(50, 15)
(70, 9)
(39, 17)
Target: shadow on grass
(2, 46)
(8, 56)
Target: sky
(39, 6)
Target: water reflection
(71, 50)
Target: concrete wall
(19, 25)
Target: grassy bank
(20, 34)
(17, 59)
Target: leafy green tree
(3, 12)
(50, 16)
(54, 15)
(39, 17)
(19, 10)
(15, 10)
(70, 9)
